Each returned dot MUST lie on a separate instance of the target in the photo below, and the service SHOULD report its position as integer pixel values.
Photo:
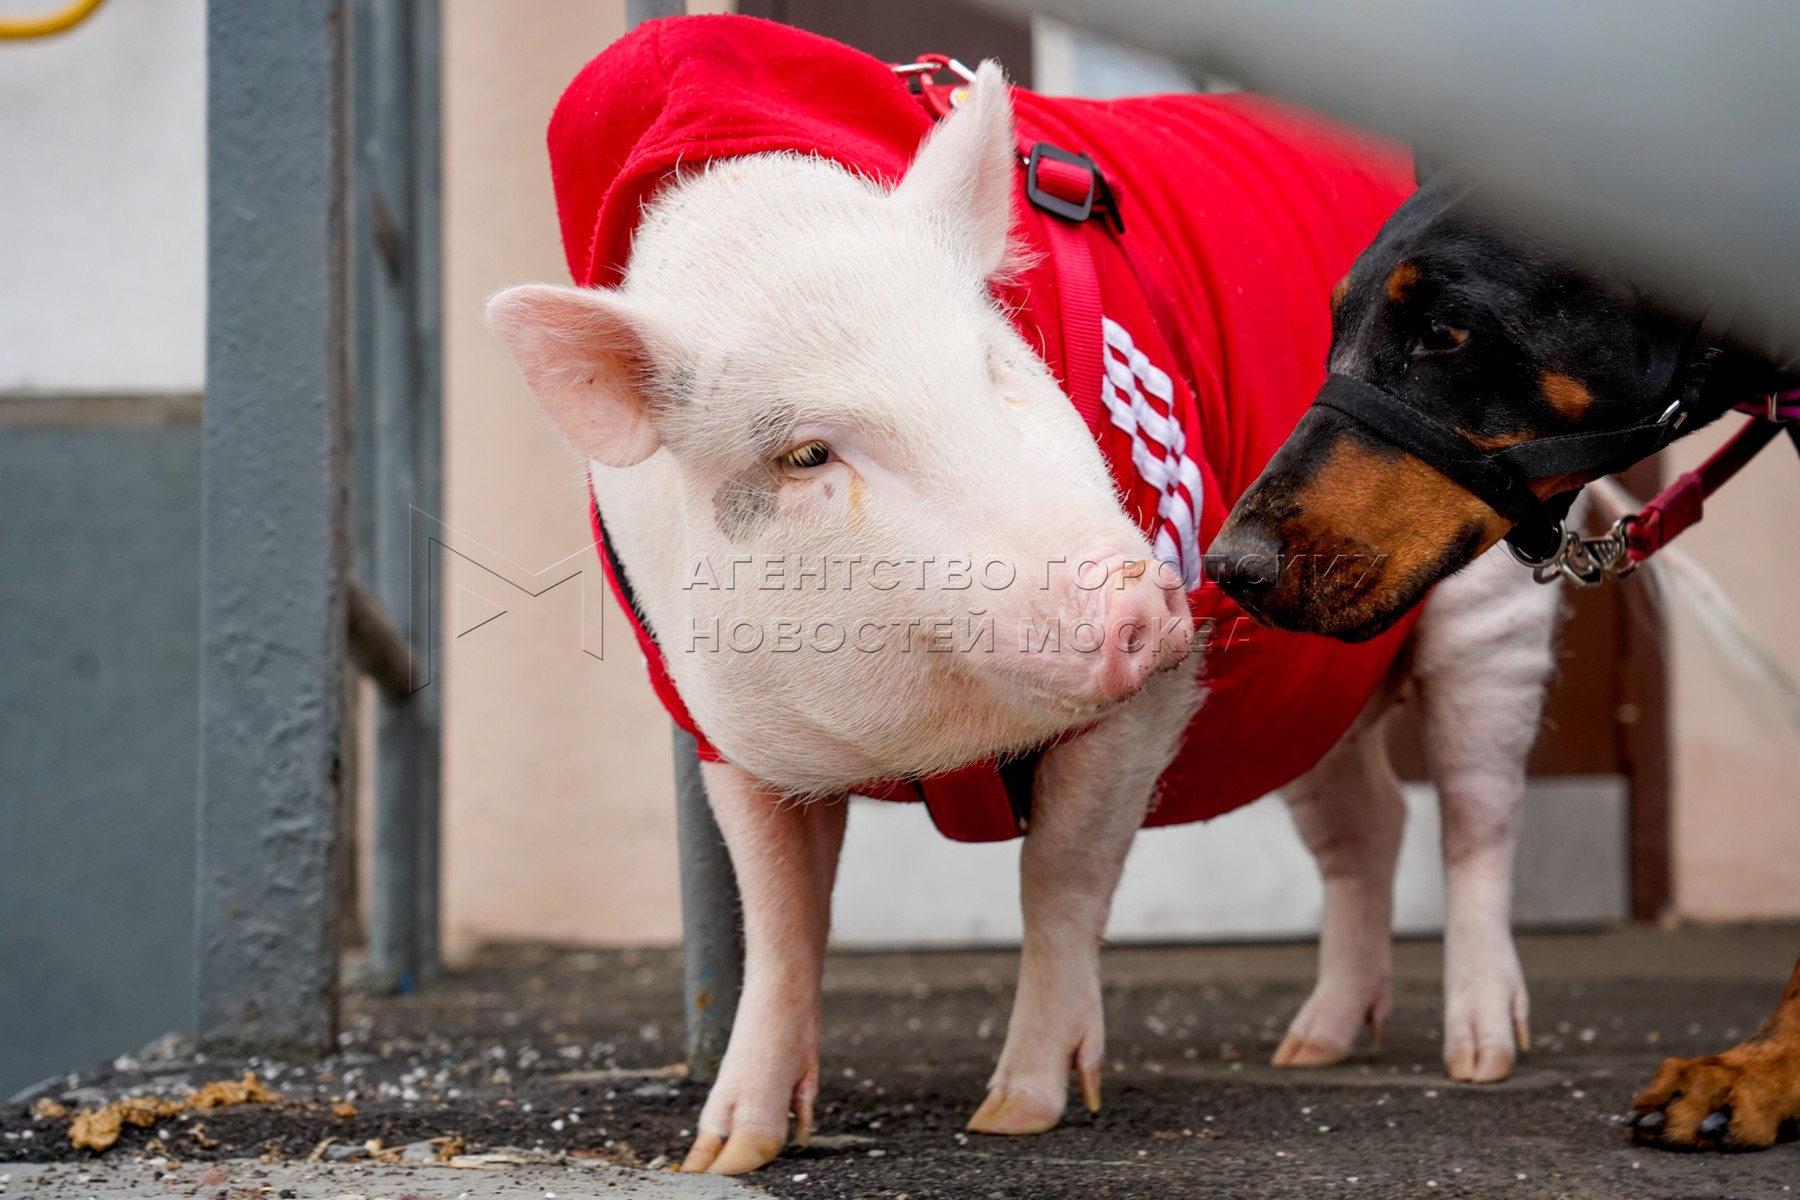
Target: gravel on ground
(538, 1071)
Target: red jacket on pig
(1207, 345)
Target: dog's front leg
(785, 854)
(1483, 658)
(1089, 799)
(1351, 814)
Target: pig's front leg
(785, 854)
(1089, 799)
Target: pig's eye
(806, 456)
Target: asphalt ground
(541, 1071)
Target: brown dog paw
(1745, 1099)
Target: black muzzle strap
(1498, 483)
(1501, 478)
(1596, 454)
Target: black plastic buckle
(1056, 204)
(1099, 195)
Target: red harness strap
(1070, 187)
(1078, 296)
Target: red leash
(1589, 562)
(1683, 503)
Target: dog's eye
(806, 456)
(1439, 336)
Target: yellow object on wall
(61, 21)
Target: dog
(1455, 328)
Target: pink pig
(804, 371)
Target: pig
(774, 381)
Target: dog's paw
(1745, 1099)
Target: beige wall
(1737, 775)
(557, 780)
(559, 822)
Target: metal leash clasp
(1586, 562)
(930, 64)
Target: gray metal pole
(383, 254)
(425, 599)
(712, 931)
(397, 256)
(1658, 130)
(274, 548)
(712, 939)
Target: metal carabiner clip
(1586, 562)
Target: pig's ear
(585, 356)
(964, 173)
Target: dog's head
(1500, 336)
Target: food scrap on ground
(221, 1092)
(97, 1129)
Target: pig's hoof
(1480, 1033)
(1054, 1030)
(1299, 1050)
(745, 1122)
(1017, 1112)
(745, 1150)
(1326, 1026)
(1487, 1063)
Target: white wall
(103, 201)
(1245, 876)
(1068, 60)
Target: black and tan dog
(1452, 332)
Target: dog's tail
(1681, 586)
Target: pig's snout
(1146, 624)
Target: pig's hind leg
(1350, 813)
(785, 855)
(1089, 799)
(1482, 657)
